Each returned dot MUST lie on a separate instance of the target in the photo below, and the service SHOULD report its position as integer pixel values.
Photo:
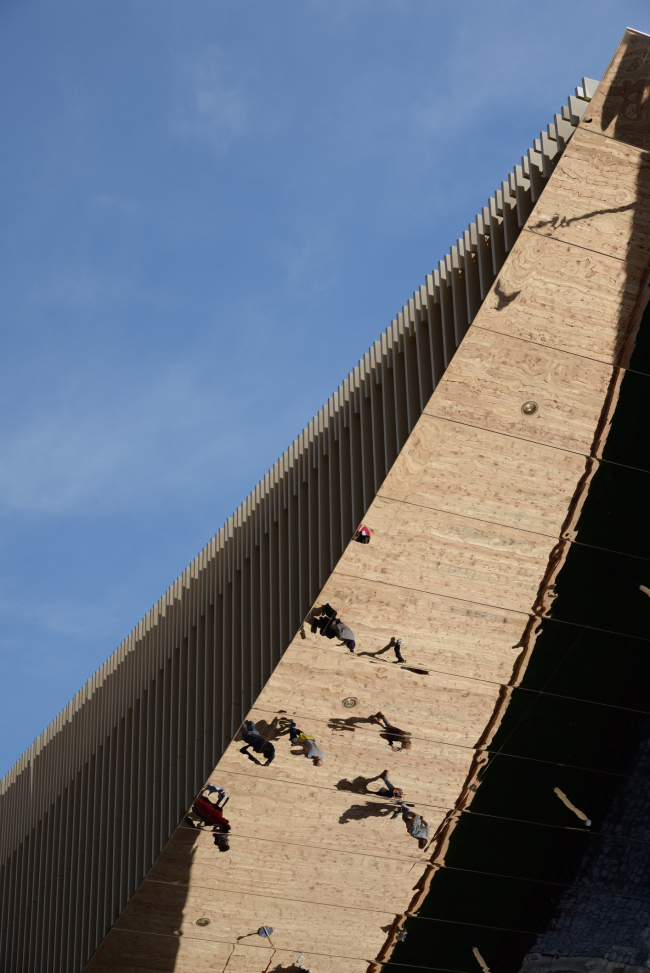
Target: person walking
(397, 647)
(310, 748)
(256, 742)
(397, 739)
(416, 826)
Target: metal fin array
(89, 806)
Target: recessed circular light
(529, 408)
(350, 701)
(203, 921)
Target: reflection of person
(416, 826)
(362, 534)
(324, 620)
(393, 734)
(222, 796)
(221, 840)
(389, 790)
(310, 748)
(257, 742)
(210, 815)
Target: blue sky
(209, 210)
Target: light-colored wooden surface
(620, 108)
(488, 383)
(565, 296)
(295, 925)
(133, 952)
(462, 532)
(446, 634)
(467, 471)
(429, 550)
(592, 197)
(270, 806)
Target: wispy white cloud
(207, 105)
(122, 454)
(70, 618)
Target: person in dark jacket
(389, 790)
(325, 621)
(256, 742)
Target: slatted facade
(88, 808)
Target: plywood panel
(270, 866)
(170, 910)
(447, 634)
(317, 680)
(430, 773)
(564, 296)
(489, 382)
(464, 470)
(429, 550)
(598, 198)
(134, 952)
(620, 108)
(313, 812)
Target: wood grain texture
(429, 550)
(431, 773)
(598, 198)
(620, 108)
(463, 470)
(157, 908)
(564, 296)
(261, 865)
(310, 811)
(489, 382)
(134, 952)
(450, 709)
(445, 634)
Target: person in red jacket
(362, 534)
(211, 816)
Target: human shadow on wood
(341, 724)
(379, 651)
(270, 731)
(357, 786)
(557, 222)
(371, 809)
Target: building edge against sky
(88, 808)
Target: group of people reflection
(207, 810)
